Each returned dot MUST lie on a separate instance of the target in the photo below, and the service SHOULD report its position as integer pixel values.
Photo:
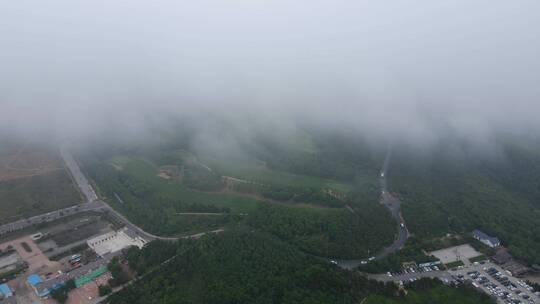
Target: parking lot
(411, 274)
(486, 276)
(496, 282)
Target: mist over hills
(407, 72)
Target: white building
(486, 239)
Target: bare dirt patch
(457, 253)
(163, 175)
(24, 163)
(168, 172)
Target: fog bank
(408, 70)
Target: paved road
(80, 179)
(49, 217)
(394, 206)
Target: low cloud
(403, 70)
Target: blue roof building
(33, 280)
(5, 290)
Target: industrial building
(486, 239)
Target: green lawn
(257, 172)
(144, 170)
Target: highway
(49, 217)
(394, 206)
(83, 184)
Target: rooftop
(5, 290)
(34, 279)
(481, 235)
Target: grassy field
(147, 172)
(24, 197)
(157, 204)
(259, 173)
(249, 169)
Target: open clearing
(33, 180)
(145, 171)
(458, 253)
(26, 161)
(258, 172)
(25, 197)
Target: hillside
(249, 267)
(451, 192)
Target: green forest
(243, 266)
(455, 192)
(319, 213)
(313, 181)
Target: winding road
(394, 206)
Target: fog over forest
(406, 69)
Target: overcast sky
(381, 67)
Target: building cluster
(106, 246)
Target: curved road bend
(98, 205)
(394, 206)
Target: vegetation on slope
(457, 193)
(337, 233)
(354, 227)
(249, 267)
(426, 291)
